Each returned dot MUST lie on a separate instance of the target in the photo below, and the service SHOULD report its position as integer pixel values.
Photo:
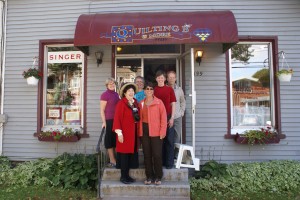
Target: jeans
(168, 147)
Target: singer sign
(65, 57)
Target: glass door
(127, 70)
(152, 65)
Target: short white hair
(108, 80)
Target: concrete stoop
(174, 185)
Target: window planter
(72, 138)
(240, 139)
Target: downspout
(3, 13)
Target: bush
(74, 171)
(256, 177)
(4, 167)
(212, 169)
(68, 171)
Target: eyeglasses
(149, 88)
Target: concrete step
(139, 174)
(111, 189)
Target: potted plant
(32, 75)
(64, 135)
(284, 75)
(260, 136)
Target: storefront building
(79, 44)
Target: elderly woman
(126, 125)
(108, 102)
(153, 127)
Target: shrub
(67, 171)
(74, 171)
(212, 169)
(256, 177)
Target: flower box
(240, 139)
(72, 138)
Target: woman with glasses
(153, 126)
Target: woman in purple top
(108, 102)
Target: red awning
(156, 28)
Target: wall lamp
(99, 56)
(198, 56)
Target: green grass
(46, 193)
(293, 195)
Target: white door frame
(193, 91)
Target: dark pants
(152, 148)
(168, 147)
(126, 161)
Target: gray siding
(29, 21)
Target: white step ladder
(182, 148)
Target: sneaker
(111, 165)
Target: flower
(260, 136)
(33, 72)
(57, 134)
(284, 71)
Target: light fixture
(119, 48)
(198, 56)
(99, 56)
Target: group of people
(145, 115)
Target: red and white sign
(65, 57)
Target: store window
(63, 88)
(252, 86)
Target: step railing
(101, 160)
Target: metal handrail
(101, 160)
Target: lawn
(46, 193)
(202, 195)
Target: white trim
(3, 49)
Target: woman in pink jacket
(153, 126)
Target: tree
(263, 77)
(241, 52)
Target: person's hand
(120, 138)
(162, 137)
(171, 122)
(104, 125)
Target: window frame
(273, 40)
(41, 87)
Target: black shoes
(131, 180)
(127, 180)
(124, 180)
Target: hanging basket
(285, 77)
(32, 81)
(285, 73)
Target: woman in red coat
(126, 125)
